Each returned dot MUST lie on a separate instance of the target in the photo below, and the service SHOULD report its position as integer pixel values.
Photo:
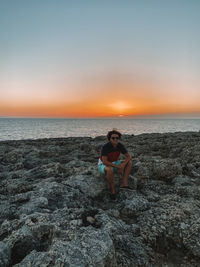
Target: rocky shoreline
(55, 208)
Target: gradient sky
(99, 58)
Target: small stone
(90, 219)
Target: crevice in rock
(21, 249)
(40, 241)
(4, 235)
(171, 250)
(44, 242)
(43, 236)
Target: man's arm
(128, 157)
(108, 163)
(124, 162)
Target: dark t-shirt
(111, 152)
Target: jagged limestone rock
(55, 208)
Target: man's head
(114, 136)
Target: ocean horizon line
(99, 118)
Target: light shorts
(101, 166)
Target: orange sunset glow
(101, 98)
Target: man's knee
(129, 163)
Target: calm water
(25, 128)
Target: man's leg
(127, 170)
(110, 178)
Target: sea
(36, 128)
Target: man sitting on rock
(109, 164)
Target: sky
(79, 59)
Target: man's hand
(121, 167)
(122, 164)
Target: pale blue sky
(46, 41)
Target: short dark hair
(113, 132)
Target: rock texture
(55, 208)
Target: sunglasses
(113, 138)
